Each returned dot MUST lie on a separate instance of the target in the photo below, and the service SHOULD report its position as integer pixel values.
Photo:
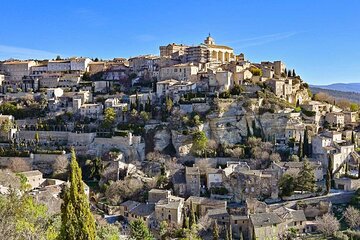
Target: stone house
(163, 87)
(179, 183)
(192, 176)
(335, 119)
(201, 205)
(350, 117)
(34, 178)
(293, 168)
(221, 216)
(251, 184)
(156, 195)
(16, 70)
(170, 210)
(213, 177)
(281, 87)
(330, 146)
(347, 184)
(180, 72)
(126, 207)
(91, 110)
(240, 225)
(143, 211)
(266, 226)
(292, 218)
(224, 80)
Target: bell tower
(209, 40)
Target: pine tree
(306, 178)
(77, 222)
(289, 73)
(216, 231)
(139, 230)
(293, 73)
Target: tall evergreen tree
(328, 181)
(289, 73)
(306, 178)
(301, 150)
(139, 230)
(192, 218)
(306, 144)
(215, 231)
(293, 73)
(77, 222)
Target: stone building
(251, 184)
(156, 195)
(335, 119)
(170, 210)
(16, 70)
(266, 226)
(192, 176)
(210, 52)
(34, 178)
(201, 205)
(180, 72)
(173, 50)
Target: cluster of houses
(235, 194)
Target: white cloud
(7, 52)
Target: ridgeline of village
(197, 143)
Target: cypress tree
(293, 73)
(216, 231)
(192, 218)
(241, 236)
(300, 151)
(306, 144)
(289, 73)
(77, 222)
(328, 181)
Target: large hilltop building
(206, 52)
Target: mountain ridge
(343, 87)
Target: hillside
(348, 95)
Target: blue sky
(319, 38)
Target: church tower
(209, 40)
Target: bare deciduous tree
(275, 157)
(327, 224)
(60, 164)
(156, 157)
(123, 189)
(352, 217)
(17, 164)
(237, 152)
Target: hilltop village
(198, 142)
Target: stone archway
(227, 57)
(214, 55)
(221, 56)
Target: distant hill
(351, 95)
(344, 87)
